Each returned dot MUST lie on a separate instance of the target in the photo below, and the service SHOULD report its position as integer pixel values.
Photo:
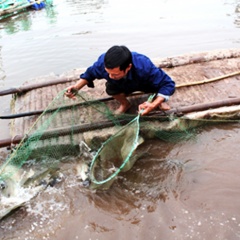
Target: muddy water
(184, 190)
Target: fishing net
(115, 155)
(56, 132)
(55, 135)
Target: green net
(115, 155)
(55, 137)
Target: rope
(208, 80)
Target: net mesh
(115, 155)
(57, 132)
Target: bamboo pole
(204, 106)
(195, 58)
(24, 89)
(62, 131)
(9, 141)
(208, 80)
(38, 112)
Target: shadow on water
(23, 21)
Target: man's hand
(71, 92)
(146, 108)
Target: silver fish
(84, 160)
(20, 186)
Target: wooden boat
(207, 88)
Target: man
(127, 72)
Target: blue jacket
(143, 73)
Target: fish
(19, 186)
(85, 152)
(83, 163)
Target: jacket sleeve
(166, 84)
(96, 71)
(161, 81)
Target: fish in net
(115, 155)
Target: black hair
(118, 56)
